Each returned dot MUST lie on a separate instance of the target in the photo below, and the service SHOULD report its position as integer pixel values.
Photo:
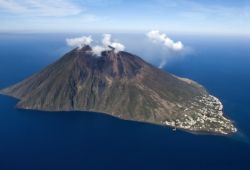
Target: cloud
(107, 44)
(118, 47)
(218, 9)
(79, 41)
(167, 49)
(44, 8)
(157, 36)
(97, 50)
(11, 6)
(88, 18)
(106, 41)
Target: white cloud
(79, 41)
(45, 8)
(157, 36)
(86, 18)
(217, 9)
(167, 49)
(11, 6)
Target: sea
(36, 140)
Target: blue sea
(34, 140)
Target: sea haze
(83, 140)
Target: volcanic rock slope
(123, 85)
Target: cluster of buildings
(204, 114)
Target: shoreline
(194, 131)
(209, 119)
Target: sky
(184, 16)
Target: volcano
(122, 85)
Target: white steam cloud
(157, 36)
(170, 48)
(97, 50)
(118, 46)
(79, 41)
(107, 45)
(106, 41)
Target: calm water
(82, 140)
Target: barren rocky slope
(123, 85)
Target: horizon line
(119, 32)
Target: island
(122, 85)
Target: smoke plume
(107, 44)
(97, 50)
(79, 41)
(169, 48)
(157, 36)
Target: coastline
(195, 131)
(207, 119)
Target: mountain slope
(123, 85)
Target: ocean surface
(81, 140)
